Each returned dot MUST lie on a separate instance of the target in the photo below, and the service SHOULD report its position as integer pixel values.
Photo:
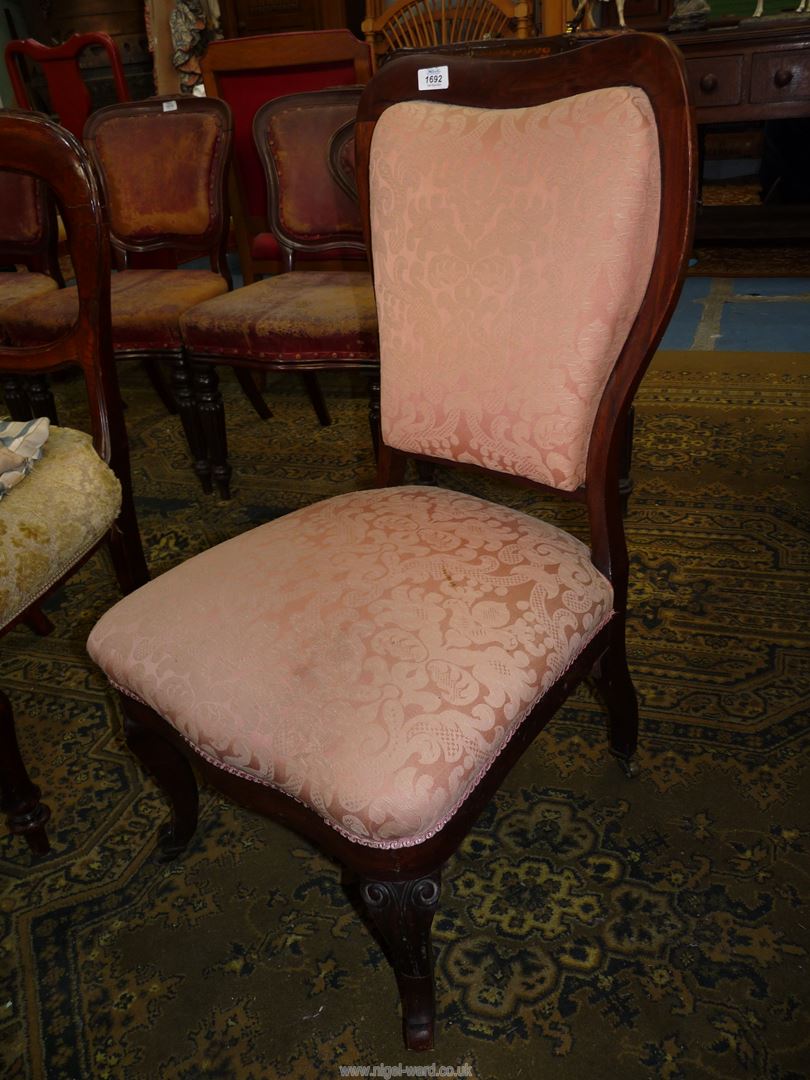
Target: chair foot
(629, 766)
(19, 797)
(402, 913)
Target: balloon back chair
(302, 322)
(368, 669)
(249, 71)
(79, 494)
(162, 165)
(69, 97)
(28, 239)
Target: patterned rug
(590, 927)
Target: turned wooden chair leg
(173, 774)
(211, 409)
(19, 797)
(615, 686)
(190, 419)
(316, 398)
(402, 912)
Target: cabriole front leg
(402, 912)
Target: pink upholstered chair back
(308, 209)
(512, 250)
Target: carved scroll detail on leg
(402, 912)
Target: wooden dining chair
(368, 669)
(69, 99)
(297, 322)
(247, 72)
(79, 494)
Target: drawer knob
(708, 84)
(782, 77)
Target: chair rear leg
(251, 391)
(155, 376)
(615, 686)
(316, 398)
(126, 549)
(173, 774)
(19, 797)
(402, 912)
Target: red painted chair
(70, 99)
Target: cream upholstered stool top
(368, 668)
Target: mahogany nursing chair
(421, 24)
(301, 322)
(369, 668)
(29, 267)
(162, 165)
(249, 71)
(79, 494)
(70, 100)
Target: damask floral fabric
(369, 655)
(503, 299)
(53, 518)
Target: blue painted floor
(742, 314)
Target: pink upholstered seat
(388, 644)
(369, 668)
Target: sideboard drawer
(781, 76)
(715, 80)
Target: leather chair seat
(146, 307)
(300, 316)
